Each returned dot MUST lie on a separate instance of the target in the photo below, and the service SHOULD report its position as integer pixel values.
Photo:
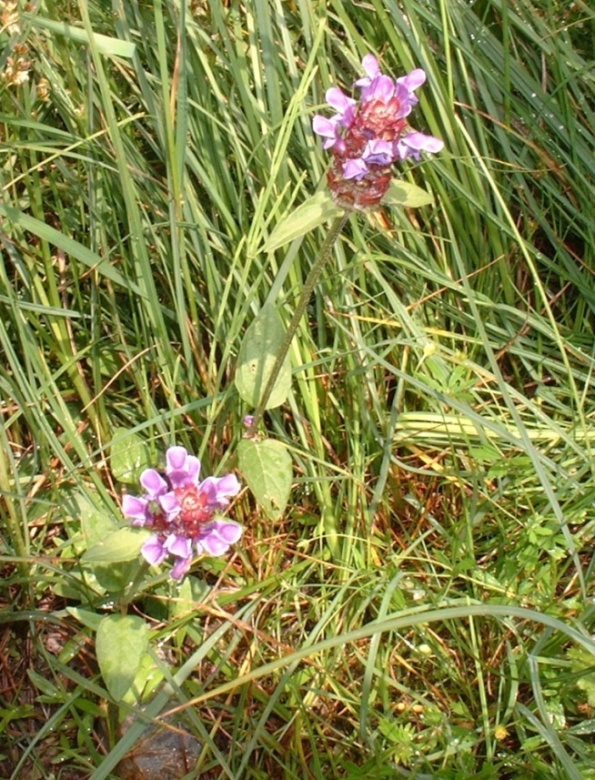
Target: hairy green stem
(309, 285)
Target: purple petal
(229, 532)
(137, 508)
(407, 100)
(180, 546)
(339, 100)
(381, 88)
(153, 550)
(372, 71)
(370, 66)
(326, 128)
(176, 458)
(153, 483)
(355, 169)
(218, 488)
(218, 537)
(402, 151)
(413, 80)
(182, 469)
(424, 143)
(180, 568)
(378, 152)
(170, 505)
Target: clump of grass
(442, 411)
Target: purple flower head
(181, 511)
(367, 136)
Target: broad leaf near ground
(120, 643)
(266, 466)
(260, 347)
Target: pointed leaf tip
(403, 194)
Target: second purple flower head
(182, 512)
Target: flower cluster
(182, 512)
(367, 136)
(16, 70)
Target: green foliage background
(442, 418)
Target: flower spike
(367, 136)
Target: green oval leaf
(260, 347)
(266, 466)
(123, 545)
(129, 455)
(313, 212)
(404, 194)
(96, 524)
(120, 644)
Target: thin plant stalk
(309, 285)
